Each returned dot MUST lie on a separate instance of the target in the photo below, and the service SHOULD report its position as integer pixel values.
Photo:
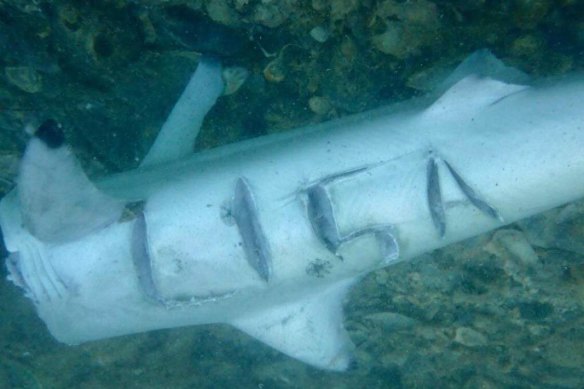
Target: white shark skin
(519, 148)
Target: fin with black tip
(58, 202)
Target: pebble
(341, 8)
(221, 12)
(320, 34)
(513, 242)
(24, 78)
(391, 321)
(319, 5)
(234, 78)
(529, 13)
(390, 42)
(275, 71)
(469, 337)
(270, 15)
(319, 105)
(527, 46)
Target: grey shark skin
(268, 235)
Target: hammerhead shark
(268, 235)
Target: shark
(269, 235)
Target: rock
(319, 5)
(341, 8)
(24, 78)
(535, 310)
(391, 321)
(319, 105)
(480, 382)
(14, 374)
(560, 228)
(275, 71)
(234, 78)
(320, 34)
(222, 13)
(520, 259)
(470, 338)
(529, 13)
(409, 26)
(514, 243)
(8, 168)
(270, 14)
(420, 12)
(564, 352)
(391, 41)
(527, 46)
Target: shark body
(268, 235)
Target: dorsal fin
(483, 64)
(477, 82)
(178, 134)
(58, 202)
(470, 95)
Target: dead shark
(269, 234)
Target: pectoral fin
(178, 134)
(310, 329)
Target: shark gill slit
(255, 244)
